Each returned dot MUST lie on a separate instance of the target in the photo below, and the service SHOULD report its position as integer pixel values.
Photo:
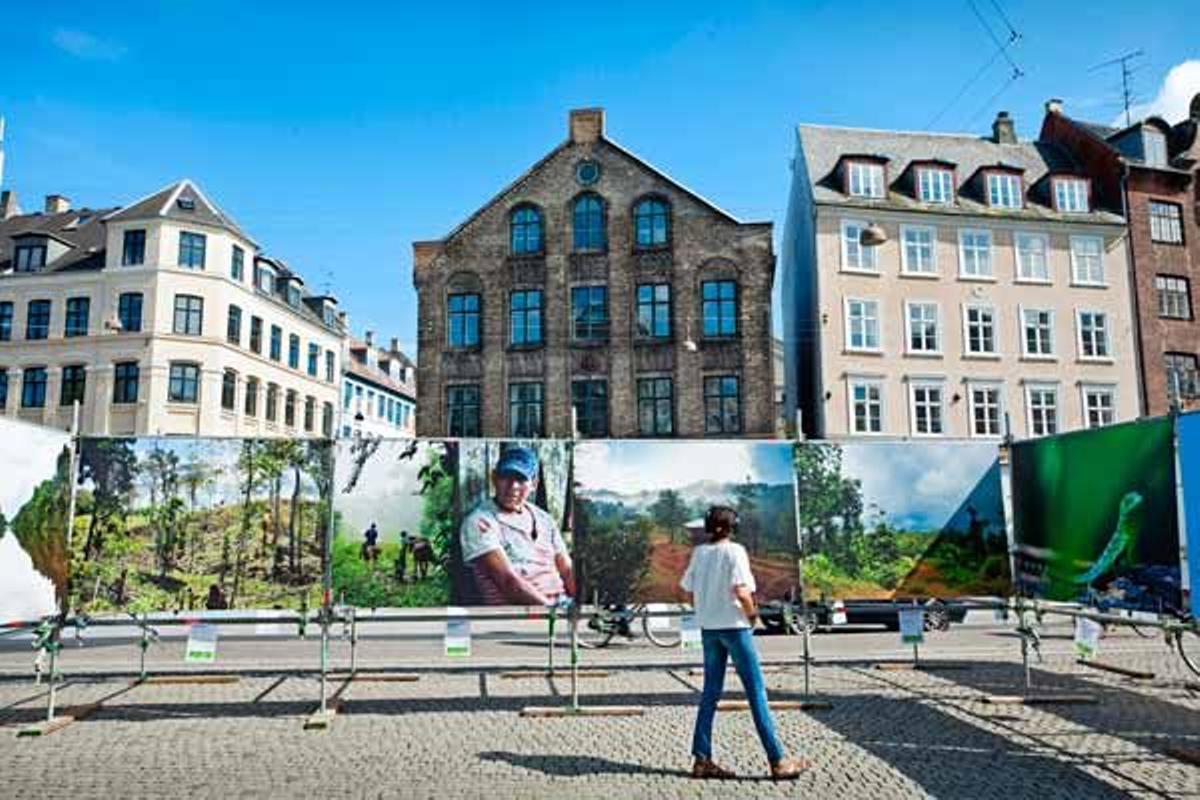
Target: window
(293, 294)
(1174, 297)
(589, 226)
(917, 250)
(462, 410)
(126, 375)
(525, 410)
(923, 325)
(656, 415)
(463, 311)
(975, 254)
(981, 330)
(29, 257)
(314, 359)
(862, 325)
(229, 390)
(525, 318)
(1099, 405)
(189, 314)
(133, 251)
(293, 351)
(1182, 375)
(1031, 257)
(327, 420)
(935, 185)
(233, 329)
(129, 312)
(272, 402)
(1003, 190)
(330, 366)
(589, 313)
(382, 414)
(264, 279)
(1071, 195)
(856, 257)
(289, 408)
(985, 409)
(926, 409)
(3, 388)
(654, 310)
(347, 395)
(275, 349)
(184, 383)
(525, 231)
(1093, 334)
(310, 413)
(256, 325)
(237, 264)
(76, 322)
(37, 323)
(1154, 146)
(1087, 260)
(1042, 405)
(74, 384)
(191, 250)
(1039, 332)
(590, 400)
(650, 223)
(719, 307)
(722, 404)
(33, 387)
(251, 404)
(6, 321)
(866, 406)
(1166, 222)
(864, 179)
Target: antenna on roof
(327, 283)
(1, 149)
(1126, 73)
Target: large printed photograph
(1189, 467)
(640, 509)
(174, 524)
(1095, 517)
(890, 520)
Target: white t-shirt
(712, 574)
(530, 540)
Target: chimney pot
(395, 344)
(370, 338)
(57, 204)
(1054, 105)
(1003, 129)
(586, 125)
(8, 204)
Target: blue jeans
(719, 646)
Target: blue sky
(337, 134)
(631, 466)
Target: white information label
(201, 644)
(838, 617)
(458, 633)
(658, 623)
(689, 630)
(1087, 637)
(912, 625)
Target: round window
(587, 172)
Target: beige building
(936, 284)
(379, 390)
(160, 317)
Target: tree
(749, 526)
(828, 503)
(110, 466)
(670, 512)
(161, 470)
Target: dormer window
(1003, 190)
(293, 295)
(29, 257)
(1154, 147)
(1071, 195)
(935, 185)
(264, 279)
(186, 203)
(864, 179)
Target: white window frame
(870, 179)
(1077, 278)
(966, 321)
(1024, 351)
(1088, 389)
(909, 305)
(1158, 151)
(1042, 386)
(1169, 230)
(1176, 291)
(915, 384)
(1071, 195)
(992, 385)
(940, 185)
(850, 347)
(990, 275)
(906, 265)
(1004, 190)
(867, 255)
(1021, 277)
(871, 382)
(1106, 330)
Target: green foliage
(359, 583)
(671, 513)
(612, 550)
(437, 512)
(40, 526)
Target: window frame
(997, 386)
(192, 312)
(1082, 192)
(229, 380)
(7, 316)
(865, 254)
(1192, 387)
(1076, 242)
(1052, 355)
(23, 257)
(593, 331)
(595, 235)
(191, 243)
(126, 374)
(584, 421)
(1013, 183)
(927, 384)
(233, 325)
(1047, 279)
(536, 223)
(1042, 386)
(133, 247)
(250, 397)
(183, 382)
(43, 327)
(1166, 222)
(854, 382)
(73, 388)
(722, 305)
(72, 317)
(963, 275)
(34, 380)
(1089, 388)
(654, 401)
(124, 300)
(945, 181)
(1180, 296)
(524, 313)
(464, 315)
(990, 308)
(722, 398)
(1160, 148)
(656, 308)
(651, 208)
(850, 347)
(1105, 330)
(521, 408)
(906, 267)
(909, 306)
(275, 344)
(463, 406)
(237, 264)
(875, 178)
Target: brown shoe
(789, 769)
(704, 769)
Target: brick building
(596, 283)
(1148, 171)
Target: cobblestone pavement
(888, 734)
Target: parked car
(939, 614)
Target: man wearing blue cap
(514, 548)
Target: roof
(165, 203)
(85, 241)
(823, 147)
(376, 376)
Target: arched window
(650, 220)
(525, 230)
(590, 233)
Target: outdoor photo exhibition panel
(1096, 520)
(34, 498)
(1188, 436)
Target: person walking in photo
(721, 588)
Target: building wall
(362, 397)
(801, 334)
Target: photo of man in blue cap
(514, 549)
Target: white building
(379, 390)
(161, 317)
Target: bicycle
(607, 622)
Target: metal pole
(56, 633)
(53, 659)
(353, 640)
(324, 654)
(916, 644)
(551, 656)
(574, 659)
(807, 655)
(326, 611)
(144, 645)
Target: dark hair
(720, 522)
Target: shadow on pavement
(576, 765)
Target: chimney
(1054, 106)
(57, 204)
(1194, 109)
(370, 338)
(395, 344)
(8, 205)
(586, 125)
(1003, 130)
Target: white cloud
(1174, 96)
(86, 46)
(631, 467)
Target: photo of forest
(640, 509)
(168, 524)
(884, 520)
(393, 521)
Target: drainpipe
(1143, 399)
